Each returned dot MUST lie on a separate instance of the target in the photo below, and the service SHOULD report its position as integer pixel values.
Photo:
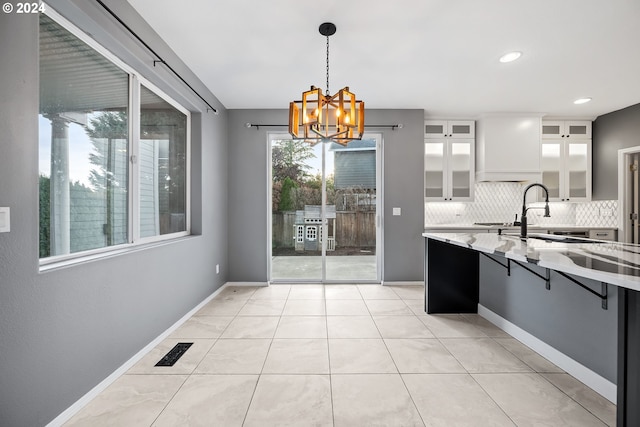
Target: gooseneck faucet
(523, 217)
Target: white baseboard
(247, 284)
(601, 385)
(84, 400)
(407, 283)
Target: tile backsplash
(500, 201)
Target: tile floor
(342, 355)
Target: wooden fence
(354, 229)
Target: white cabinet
(448, 169)
(449, 160)
(566, 169)
(576, 129)
(464, 129)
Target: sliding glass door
(325, 225)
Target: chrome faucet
(523, 217)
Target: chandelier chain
(327, 66)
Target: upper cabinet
(566, 129)
(566, 160)
(449, 160)
(464, 129)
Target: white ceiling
(437, 55)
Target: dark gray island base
(453, 281)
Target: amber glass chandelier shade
(318, 117)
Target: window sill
(49, 264)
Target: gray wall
(612, 132)
(566, 317)
(403, 186)
(64, 331)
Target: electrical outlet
(5, 220)
(217, 268)
(606, 212)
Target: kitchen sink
(550, 238)
(556, 238)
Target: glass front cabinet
(576, 129)
(449, 162)
(566, 164)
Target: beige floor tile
(297, 356)
(132, 400)
(450, 326)
(185, 365)
(488, 328)
(416, 306)
(251, 327)
(346, 308)
(302, 327)
(585, 396)
(377, 292)
(372, 400)
(388, 307)
(360, 356)
(306, 292)
(422, 356)
(409, 292)
(483, 355)
(237, 292)
(210, 400)
(304, 307)
(202, 327)
(446, 400)
(262, 307)
(291, 400)
(528, 356)
(272, 292)
(401, 327)
(352, 327)
(530, 400)
(235, 356)
(342, 292)
(217, 307)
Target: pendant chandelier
(338, 118)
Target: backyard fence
(354, 229)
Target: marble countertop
(610, 262)
(506, 226)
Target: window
(103, 183)
(300, 233)
(163, 165)
(312, 233)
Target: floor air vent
(174, 354)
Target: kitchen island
(454, 281)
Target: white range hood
(508, 147)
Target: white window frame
(300, 233)
(135, 242)
(311, 233)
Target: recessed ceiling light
(511, 56)
(582, 100)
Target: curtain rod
(159, 59)
(257, 126)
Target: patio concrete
(300, 267)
